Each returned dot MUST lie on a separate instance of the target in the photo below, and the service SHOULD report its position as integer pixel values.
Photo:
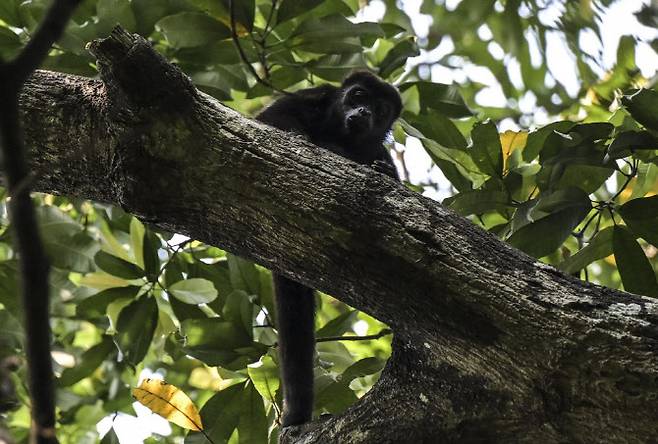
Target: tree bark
(490, 344)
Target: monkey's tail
(295, 305)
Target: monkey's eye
(359, 93)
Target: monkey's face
(365, 116)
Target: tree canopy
(129, 299)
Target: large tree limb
(490, 345)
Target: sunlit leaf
(194, 291)
(170, 402)
(264, 374)
(511, 141)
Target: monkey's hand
(385, 167)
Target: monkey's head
(368, 107)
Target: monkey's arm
(385, 165)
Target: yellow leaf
(102, 281)
(510, 141)
(169, 402)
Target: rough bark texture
(490, 345)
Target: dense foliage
(579, 192)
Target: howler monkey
(351, 120)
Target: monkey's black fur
(351, 120)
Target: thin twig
(382, 333)
(243, 56)
(33, 263)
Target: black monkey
(351, 120)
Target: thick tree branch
(490, 345)
(32, 259)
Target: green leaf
(9, 293)
(10, 43)
(148, 12)
(598, 248)
(110, 437)
(292, 8)
(536, 139)
(626, 52)
(96, 305)
(88, 362)
(335, 67)
(220, 416)
(444, 98)
(626, 142)
(12, 336)
(551, 222)
(487, 152)
(135, 328)
(264, 374)
(398, 55)
(642, 208)
(137, 240)
(643, 106)
(150, 248)
(53, 222)
(364, 367)
(185, 311)
(478, 202)
(244, 11)
(75, 253)
(332, 34)
(218, 342)
(646, 179)
(436, 126)
(189, 29)
(641, 216)
(66, 245)
(10, 14)
(335, 397)
(339, 325)
(252, 426)
(238, 308)
(244, 275)
(117, 267)
(219, 274)
(636, 272)
(194, 291)
(115, 12)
